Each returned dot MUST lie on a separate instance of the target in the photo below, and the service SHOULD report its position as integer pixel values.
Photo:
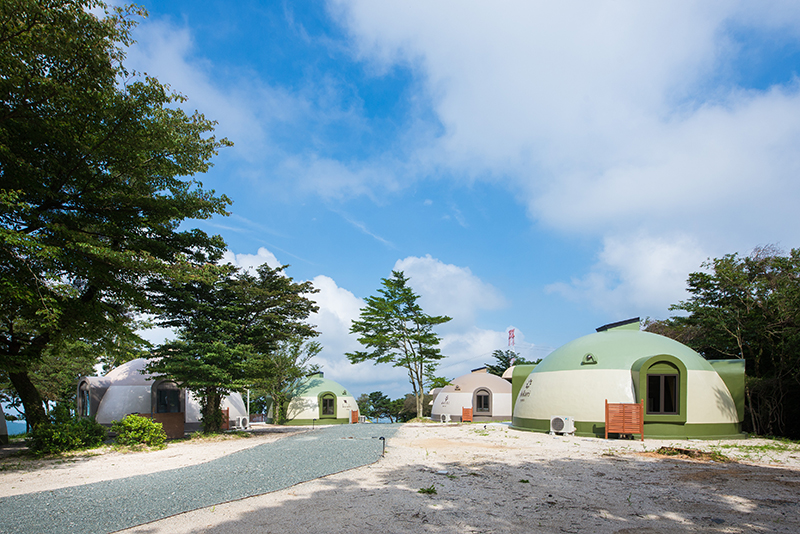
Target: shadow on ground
(613, 494)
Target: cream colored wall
(708, 399)
(578, 394)
(582, 395)
(308, 407)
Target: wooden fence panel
(466, 415)
(625, 418)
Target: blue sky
(548, 167)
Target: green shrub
(66, 435)
(138, 430)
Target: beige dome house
(488, 395)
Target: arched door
(327, 406)
(482, 403)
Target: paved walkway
(117, 504)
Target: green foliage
(749, 308)
(278, 373)
(377, 405)
(396, 330)
(236, 331)
(66, 435)
(431, 490)
(439, 382)
(93, 167)
(138, 430)
(504, 360)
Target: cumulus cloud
(444, 290)
(633, 272)
(251, 261)
(447, 289)
(616, 119)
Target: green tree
(749, 308)
(395, 330)
(381, 406)
(505, 359)
(276, 374)
(93, 163)
(231, 333)
(439, 382)
(376, 405)
(364, 405)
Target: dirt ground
(484, 478)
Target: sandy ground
(484, 479)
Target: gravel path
(117, 504)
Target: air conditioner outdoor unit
(239, 422)
(560, 424)
(445, 418)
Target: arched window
(84, 400)
(483, 402)
(661, 381)
(327, 406)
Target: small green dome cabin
(685, 396)
(316, 399)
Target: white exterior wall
(452, 406)
(582, 394)
(502, 405)
(303, 408)
(708, 399)
(120, 401)
(308, 407)
(578, 394)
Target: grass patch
(428, 491)
(758, 452)
(695, 454)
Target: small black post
(383, 440)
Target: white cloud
(635, 274)
(251, 261)
(617, 119)
(443, 289)
(450, 290)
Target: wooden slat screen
(466, 415)
(625, 418)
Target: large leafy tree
(231, 332)
(94, 163)
(276, 374)
(395, 330)
(749, 308)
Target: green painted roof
(618, 349)
(313, 385)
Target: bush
(67, 435)
(138, 430)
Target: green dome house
(685, 396)
(318, 399)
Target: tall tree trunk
(35, 413)
(212, 415)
